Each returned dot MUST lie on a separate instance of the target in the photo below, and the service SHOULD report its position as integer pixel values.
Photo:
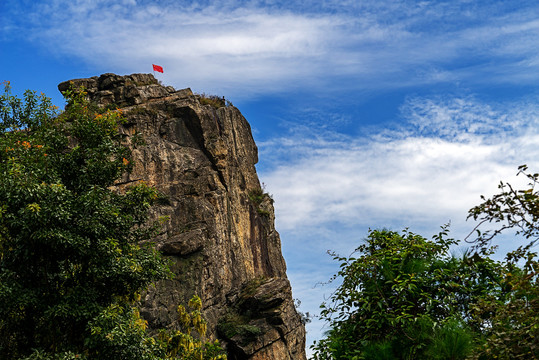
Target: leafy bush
(190, 341)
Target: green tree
(74, 254)
(511, 324)
(404, 297)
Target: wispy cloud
(268, 46)
(428, 171)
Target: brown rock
(220, 238)
(258, 321)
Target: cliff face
(220, 234)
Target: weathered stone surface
(221, 240)
(257, 322)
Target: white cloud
(268, 46)
(241, 46)
(427, 172)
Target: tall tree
(70, 246)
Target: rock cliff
(220, 235)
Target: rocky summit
(218, 231)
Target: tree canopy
(406, 297)
(74, 251)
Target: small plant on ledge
(214, 100)
(257, 197)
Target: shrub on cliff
(215, 101)
(72, 263)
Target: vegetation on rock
(213, 100)
(237, 321)
(233, 324)
(74, 255)
(257, 197)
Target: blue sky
(367, 114)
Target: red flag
(157, 68)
